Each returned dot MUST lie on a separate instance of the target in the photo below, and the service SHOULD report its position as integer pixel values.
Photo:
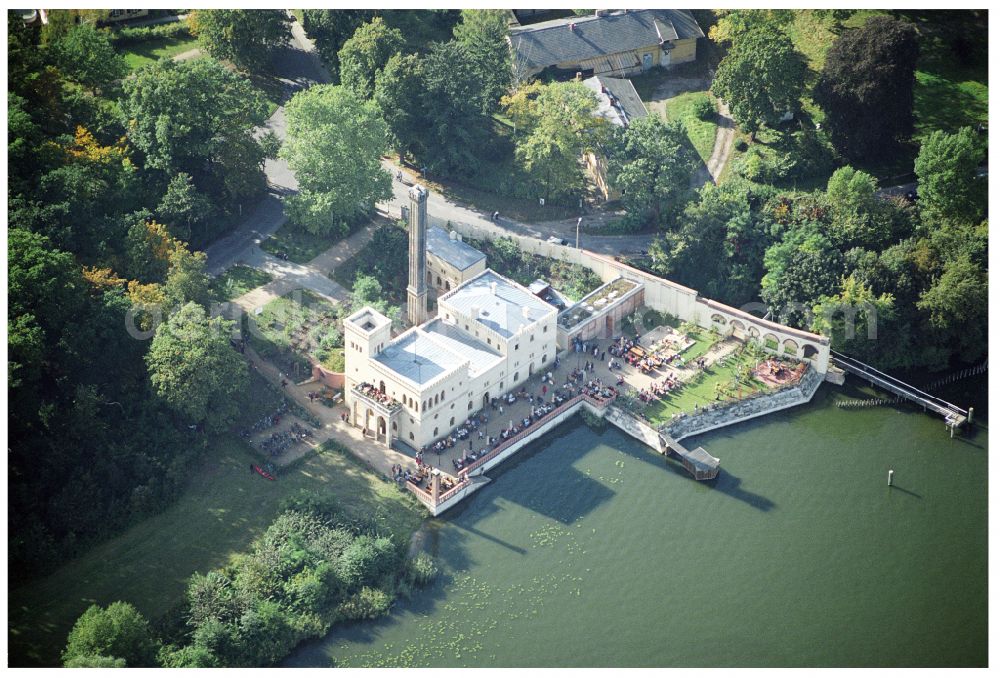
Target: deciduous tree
(761, 78)
(335, 144)
(947, 184)
(484, 33)
(558, 122)
(365, 53)
(247, 37)
(651, 163)
(194, 369)
(397, 93)
(102, 635)
(86, 55)
(866, 88)
(197, 117)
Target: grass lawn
(700, 132)
(948, 94)
(237, 281)
(700, 391)
(300, 246)
(703, 341)
(224, 508)
(292, 327)
(150, 51)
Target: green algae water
(591, 550)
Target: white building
(450, 262)
(489, 336)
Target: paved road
(440, 211)
(299, 68)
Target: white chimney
(493, 288)
(524, 312)
(453, 236)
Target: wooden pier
(954, 416)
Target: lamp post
(579, 220)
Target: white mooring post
(890, 477)
(970, 415)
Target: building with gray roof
(617, 43)
(489, 336)
(450, 261)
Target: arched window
(452, 422)
(516, 375)
(470, 406)
(808, 350)
(435, 431)
(381, 387)
(442, 396)
(411, 435)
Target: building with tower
(489, 336)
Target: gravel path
(724, 136)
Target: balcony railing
(378, 399)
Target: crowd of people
(371, 392)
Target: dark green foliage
(247, 37)
(453, 100)
(366, 53)
(705, 109)
(305, 573)
(395, 86)
(384, 259)
(331, 28)
(102, 636)
(866, 88)
(197, 117)
(761, 77)
(123, 37)
(719, 242)
(484, 33)
(86, 55)
(194, 369)
(651, 163)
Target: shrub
(422, 569)
(117, 632)
(131, 36)
(741, 146)
(704, 109)
(368, 603)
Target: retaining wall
(677, 300)
(744, 410)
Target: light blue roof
(503, 312)
(480, 356)
(455, 252)
(418, 358)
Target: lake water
(591, 550)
